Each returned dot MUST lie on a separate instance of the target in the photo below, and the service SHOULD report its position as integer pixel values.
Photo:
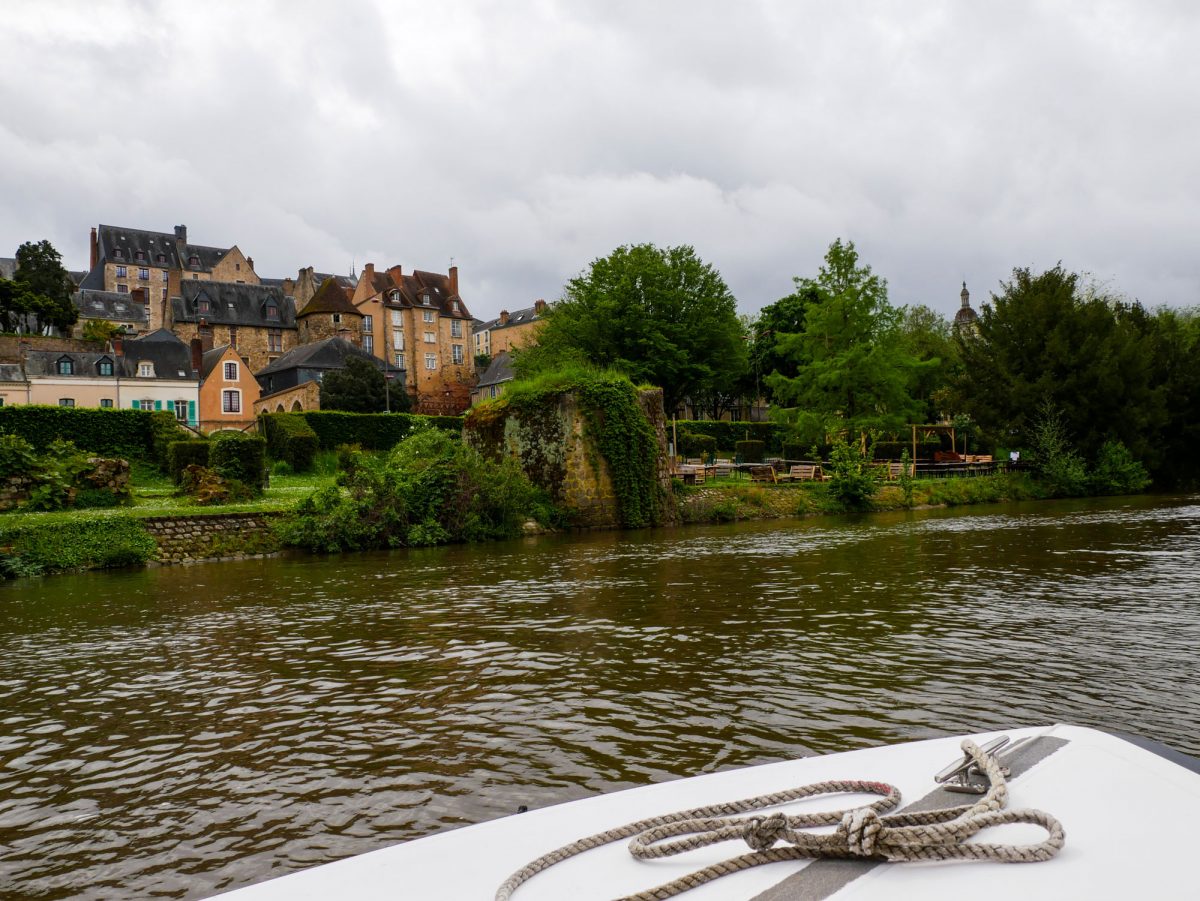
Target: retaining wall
(220, 536)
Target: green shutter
(191, 412)
(137, 405)
(158, 405)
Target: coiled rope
(863, 832)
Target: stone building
(129, 311)
(330, 313)
(293, 381)
(420, 324)
(257, 321)
(966, 318)
(307, 282)
(126, 259)
(509, 330)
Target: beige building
(509, 330)
(420, 324)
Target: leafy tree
(662, 316)
(784, 317)
(851, 366)
(1044, 338)
(1059, 467)
(360, 388)
(101, 330)
(928, 337)
(482, 362)
(1174, 348)
(44, 285)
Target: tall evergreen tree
(45, 285)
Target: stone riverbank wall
(220, 536)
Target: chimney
(453, 280)
(504, 317)
(197, 354)
(539, 307)
(181, 234)
(95, 250)
(396, 274)
(368, 274)
(206, 336)
(118, 345)
(250, 263)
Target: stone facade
(221, 536)
(555, 451)
(305, 396)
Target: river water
(179, 731)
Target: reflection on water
(179, 731)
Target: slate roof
(519, 317)
(331, 353)
(210, 358)
(413, 289)
(331, 297)
(233, 303)
(94, 280)
(499, 370)
(111, 306)
(160, 249)
(11, 372)
(172, 358)
(42, 363)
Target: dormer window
(202, 304)
(193, 260)
(65, 366)
(161, 258)
(146, 370)
(104, 366)
(272, 311)
(425, 299)
(395, 297)
(118, 253)
(454, 305)
(140, 255)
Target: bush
(693, 444)
(208, 488)
(109, 433)
(241, 458)
(33, 549)
(1060, 469)
(291, 439)
(1117, 472)
(182, 454)
(728, 434)
(852, 479)
(165, 430)
(373, 431)
(431, 489)
(750, 451)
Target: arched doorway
(296, 408)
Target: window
(120, 272)
(118, 254)
(337, 318)
(456, 351)
(231, 401)
(272, 311)
(431, 361)
(492, 391)
(202, 305)
(144, 404)
(105, 366)
(106, 403)
(427, 315)
(181, 410)
(233, 336)
(400, 364)
(144, 274)
(275, 340)
(139, 255)
(146, 370)
(66, 401)
(396, 321)
(193, 260)
(430, 337)
(369, 343)
(397, 340)
(122, 289)
(164, 293)
(65, 366)
(368, 323)
(455, 328)
(237, 267)
(161, 258)
(454, 305)
(425, 299)
(231, 371)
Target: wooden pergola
(927, 430)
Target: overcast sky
(948, 140)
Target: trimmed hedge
(750, 451)
(93, 543)
(372, 431)
(242, 457)
(182, 454)
(107, 433)
(291, 439)
(728, 434)
(695, 445)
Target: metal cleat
(965, 776)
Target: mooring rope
(862, 832)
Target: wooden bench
(763, 473)
(805, 472)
